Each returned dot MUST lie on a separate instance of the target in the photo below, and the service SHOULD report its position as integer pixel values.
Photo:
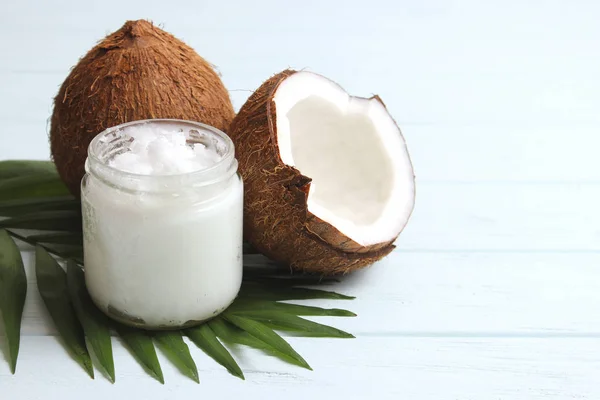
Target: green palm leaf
(52, 285)
(231, 334)
(178, 352)
(276, 293)
(13, 290)
(13, 208)
(266, 335)
(95, 324)
(141, 345)
(67, 221)
(296, 309)
(67, 250)
(287, 322)
(16, 168)
(72, 238)
(29, 186)
(204, 337)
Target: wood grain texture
(381, 368)
(446, 293)
(493, 290)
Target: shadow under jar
(162, 251)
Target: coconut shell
(138, 72)
(276, 217)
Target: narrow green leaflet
(204, 337)
(28, 186)
(267, 292)
(67, 251)
(141, 345)
(231, 334)
(13, 208)
(73, 251)
(71, 238)
(266, 335)
(16, 168)
(171, 342)
(95, 324)
(13, 290)
(52, 285)
(287, 322)
(66, 221)
(295, 309)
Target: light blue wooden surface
(493, 291)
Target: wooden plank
(504, 217)
(481, 294)
(438, 62)
(453, 293)
(379, 368)
(518, 154)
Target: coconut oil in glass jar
(162, 206)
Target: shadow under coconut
(256, 264)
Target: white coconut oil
(162, 213)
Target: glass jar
(162, 251)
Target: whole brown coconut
(277, 219)
(138, 72)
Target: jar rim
(225, 159)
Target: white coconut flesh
(351, 148)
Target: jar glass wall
(162, 251)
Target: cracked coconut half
(329, 184)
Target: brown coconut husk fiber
(277, 221)
(138, 72)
